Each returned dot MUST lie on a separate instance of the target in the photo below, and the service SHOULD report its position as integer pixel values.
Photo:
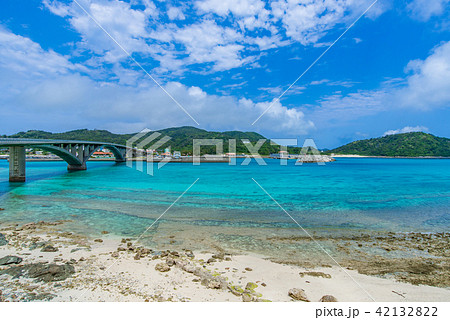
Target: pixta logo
(309, 152)
(145, 149)
(139, 151)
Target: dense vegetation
(413, 144)
(181, 138)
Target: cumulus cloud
(20, 55)
(425, 86)
(126, 25)
(175, 13)
(236, 7)
(425, 9)
(247, 14)
(308, 21)
(49, 86)
(428, 85)
(406, 130)
(207, 42)
(78, 100)
(226, 34)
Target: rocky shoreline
(40, 261)
(416, 258)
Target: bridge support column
(17, 160)
(122, 157)
(73, 167)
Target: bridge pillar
(124, 156)
(76, 167)
(17, 159)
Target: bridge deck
(6, 142)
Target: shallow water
(225, 207)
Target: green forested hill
(413, 144)
(181, 138)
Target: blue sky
(226, 62)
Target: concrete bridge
(75, 153)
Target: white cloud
(23, 56)
(266, 42)
(77, 100)
(340, 83)
(272, 90)
(126, 25)
(406, 130)
(308, 21)
(203, 42)
(425, 87)
(50, 86)
(425, 9)
(175, 13)
(248, 14)
(318, 82)
(57, 7)
(230, 34)
(236, 7)
(338, 109)
(429, 84)
(206, 42)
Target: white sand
(126, 279)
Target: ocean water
(226, 208)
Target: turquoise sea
(225, 207)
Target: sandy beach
(41, 262)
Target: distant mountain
(413, 144)
(181, 138)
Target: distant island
(413, 144)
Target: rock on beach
(49, 248)
(3, 240)
(10, 260)
(328, 298)
(42, 271)
(298, 294)
(162, 267)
